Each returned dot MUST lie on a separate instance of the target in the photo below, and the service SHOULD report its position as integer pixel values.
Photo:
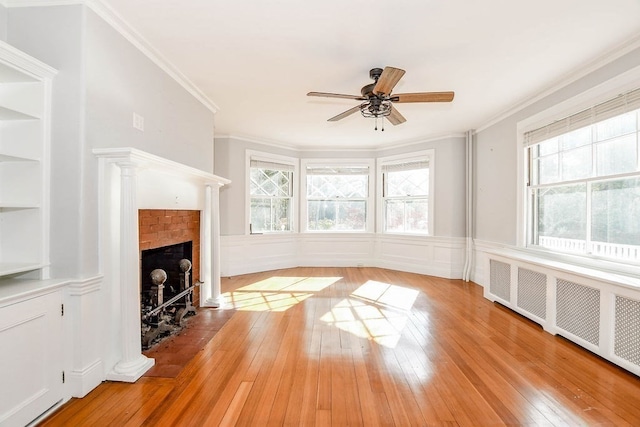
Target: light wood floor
(366, 346)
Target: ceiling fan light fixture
(375, 109)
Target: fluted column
(133, 364)
(215, 298)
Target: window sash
(574, 221)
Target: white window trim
(268, 157)
(370, 163)
(607, 90)
(402, 158)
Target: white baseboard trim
(83, 381)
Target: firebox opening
(166, 290)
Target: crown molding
(571, 77)
(305, 149)
(120, 25)
(114, 19)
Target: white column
(215, 298)
(205, 249)
(133, 364)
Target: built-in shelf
(25, 97)
(10, 158)
(9, 114)
(18, 206)
(8, 268)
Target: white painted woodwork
(436, 256)
(25, 98)
(131, 180)
(31, 334)
(31, 359)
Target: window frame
(337, 162)
(271, 158)
(427, 155)
(585, 100)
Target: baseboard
(83, 381)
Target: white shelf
(18, 206)
(9, 114)
(10, 158)
(7, 268)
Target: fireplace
(130, 182)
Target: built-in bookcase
(25, 94)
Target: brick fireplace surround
(163, 227)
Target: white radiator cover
(600, 312)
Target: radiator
(599, 315)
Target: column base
(217, 302)
(129, 372)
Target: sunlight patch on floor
(376, 311)
(276, 293)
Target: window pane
(268, 182)
(548, 169)
(270, 214)
(562, 212)
(616, 126)
(576, 163)
(407, 216)
(617, 156)
(615, 212)
(576, 138)
(337, 215)
(330, 186)
(549, 146)
(413, 182)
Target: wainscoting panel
(441, 257)
(250, 254)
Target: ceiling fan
(377, 100)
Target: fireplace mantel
(130, 180)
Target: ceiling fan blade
(395, 118)
(388, 79)
(336, 95)
(342, 115)
(423, 97)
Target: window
(337, 197)
(584, 181)
(406, 188)
(271, 196)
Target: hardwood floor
(367, 346)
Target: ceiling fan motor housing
(375, 73)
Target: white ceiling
(256, 60)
